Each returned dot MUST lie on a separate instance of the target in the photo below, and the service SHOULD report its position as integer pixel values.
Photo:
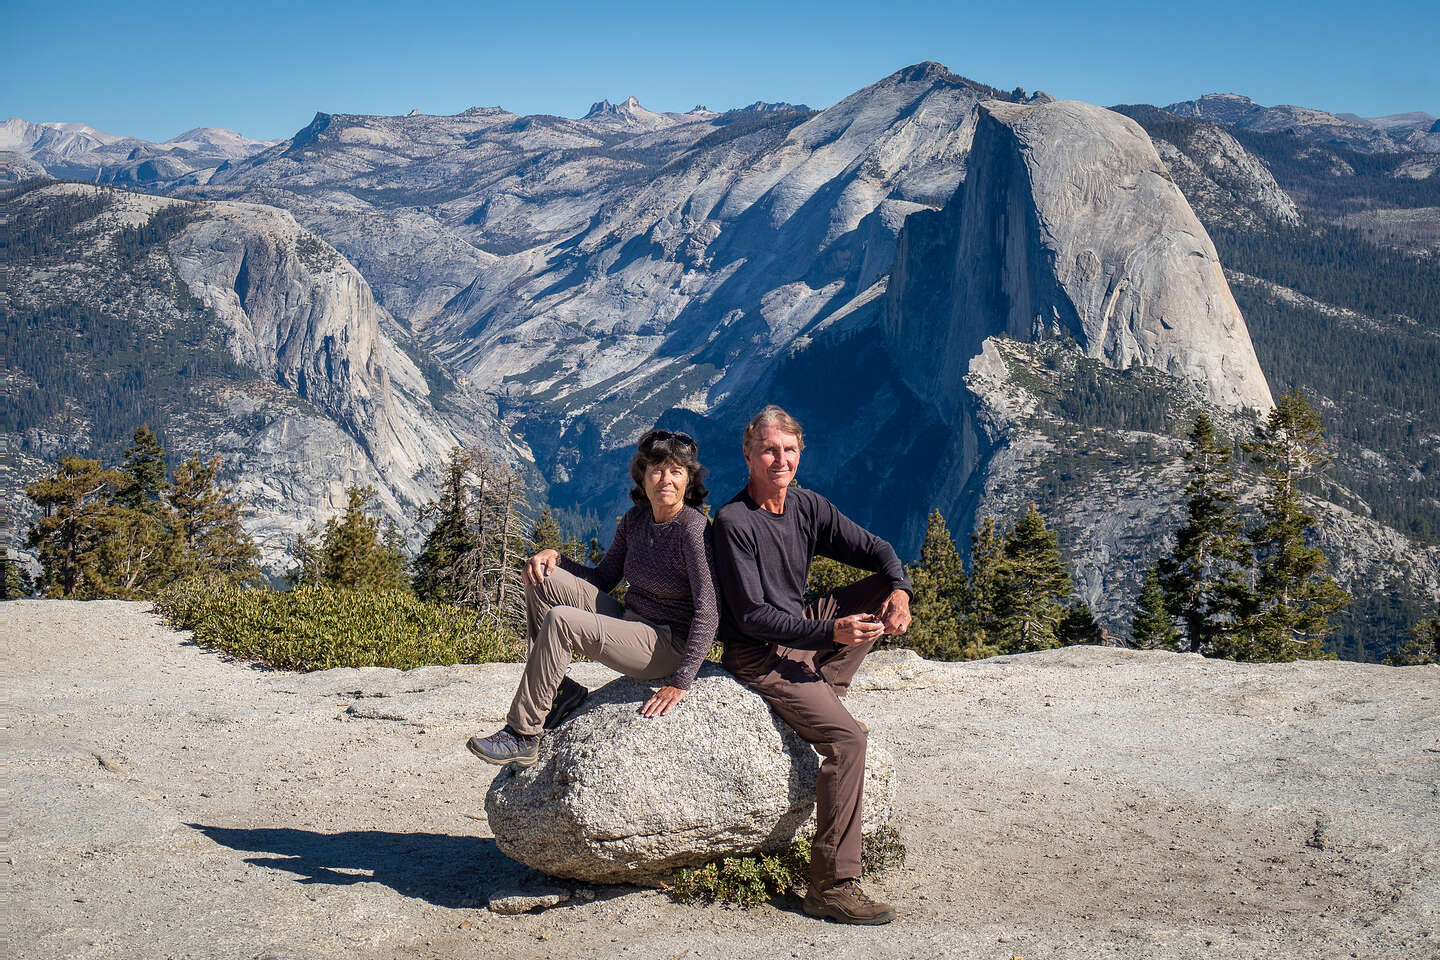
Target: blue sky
(264, 67)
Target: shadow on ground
(445, 870)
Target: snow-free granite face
(1070, 225)
(618, 798)
(326, 399)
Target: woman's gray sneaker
(506, 746)
(567, 700)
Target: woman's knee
(563, 624)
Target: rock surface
(319, 394)
(1070, 225)
(616, 798)
(1086, 803)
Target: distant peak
(928, 70)
(627, 107)
(762, 106)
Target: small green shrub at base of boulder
(318, 627)
(752, 880)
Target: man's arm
(840, 538)
(742, 590)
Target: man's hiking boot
(567, 700)
(506, 746)
(847, 903)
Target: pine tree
(1294, 599)
(1423, 648)
(940, 595)
(139, 551)
(142, 483)
(507, 547)
(15, 580)
(1152, 628)
(208, 534)
(547, 535)
(1033, 585)
(1204, 576)
(439, 572)
(349, 552)
(979, 623)
(76, 505)
(1078, 625)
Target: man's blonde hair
(773, 416)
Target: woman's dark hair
(658, 446)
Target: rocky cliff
(1070, 225)
(316, 395)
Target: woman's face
(665, 484)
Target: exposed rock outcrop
(1069, 225)
(320, 395)
(616, 798)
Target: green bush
(752, 880)
(316, 627)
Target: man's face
(773, 457)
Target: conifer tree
(440, 573)
(507, 546)
(1290, 611)
(1152, 628)
(139, 551)
(69, 537)
(980, 622)
(1033, 585)
(206, 523)
(1423, 648)
(15, 580)
(939, 599)
(1204, 576)
(1078, 625)
(547, 535)
(349, 552)
(142, 483)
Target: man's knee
(844, 743)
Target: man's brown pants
(804, 688)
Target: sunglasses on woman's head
(661, 436)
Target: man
(800, 658)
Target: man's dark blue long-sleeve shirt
(762, 561)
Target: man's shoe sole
(518, 761)
(825, 911)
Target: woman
(662, 547)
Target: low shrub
(317, 627)
(752, 880)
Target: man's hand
(858, 628)
(541, 566)
(662, 702)
(896, 613)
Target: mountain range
(973, 299)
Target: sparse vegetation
(749, 881)
(320, 627)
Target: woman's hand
(541, 566)
(662, 702)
